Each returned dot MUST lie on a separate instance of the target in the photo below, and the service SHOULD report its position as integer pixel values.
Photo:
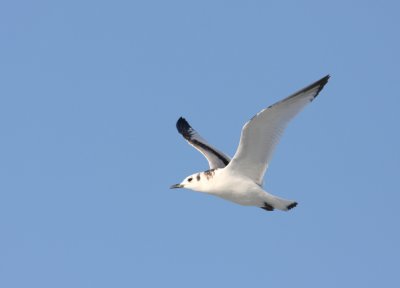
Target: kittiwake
(240, 179)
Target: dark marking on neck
(198, 177)
(209, 173)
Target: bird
(240, 179)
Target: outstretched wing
(215, 158)
(261, 134)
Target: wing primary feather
(194, 139)
(184, 128)
(320, 84)
(261, 134)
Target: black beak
(176, 186)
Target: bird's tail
(273, 202)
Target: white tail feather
(279, 203)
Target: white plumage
(240, 179)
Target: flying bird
(240, 179)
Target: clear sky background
(89, 95)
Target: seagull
(240, 179)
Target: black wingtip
(321, 83)
(184, 128)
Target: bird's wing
(215, 158)
(261, 134)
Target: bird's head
(191, 182)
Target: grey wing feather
(261, 134)
(215, 158)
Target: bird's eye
(190, 179)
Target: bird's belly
(247, 194)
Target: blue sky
(90, 93)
